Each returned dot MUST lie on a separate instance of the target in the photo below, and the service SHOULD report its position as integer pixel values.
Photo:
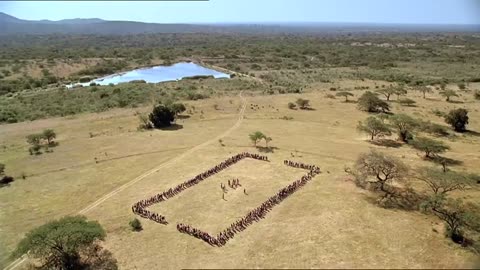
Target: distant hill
(10, 25)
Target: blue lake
(157, 74)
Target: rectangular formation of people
(140, 208)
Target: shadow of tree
(172, 127)
(472, 133)
(455, 101)
(386, 143)
(181, 116)
(263, 149)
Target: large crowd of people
(256, 214)
(139, 208)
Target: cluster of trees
(41, 140)
(257, 136)
(71, 242)
(162, 115)
(379, 171)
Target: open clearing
(327, 223)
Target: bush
(161, 116)
(476, 95)
(406, 102)
(458, 119)
(292, 106)
(303, 104)
(135, 225)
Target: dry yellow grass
(329, 223)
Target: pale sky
(251, 11)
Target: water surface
(157, 74)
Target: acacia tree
(423, 89)
(59, 244)
(442, 182)
(448, 93)
(387, 92)
(371, 103)
(458, 119)
(374, 127)
(256, 136)
(456, 214)
(382, 168)
(404, 125)
(429, 146)
(345, 94)
(400, 91)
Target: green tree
(161, 116)
(34, 140)
(135, 225)
(345, 94)
(381, 169)
(456, 214)
(371, 103)
(374, 127)
(387, 92)
(442, 182)
(256, 136)
(423, 89)
(49, 135)
(400, 91)
(405, 125)
(429, 146)
(303, 104)
(458, 119)
(59, 243)
(448, 93)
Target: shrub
(476, 95)
(406, 102)
(291, 105)
(135, 225)
(448, 93)
(458, 119)
(161, 116)
(303, 104)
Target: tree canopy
(405, 125)
(448, 93)
(429, 146)
(374, 127)
(58, 244)
(442, 182)
(371, 103)
(458, 119)
(161, 116)
(345, 94)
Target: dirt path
(96, 203)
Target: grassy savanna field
(328, 223)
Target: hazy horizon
(427, 12)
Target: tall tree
(405, 126)
(345, 94)
(49, 135)
(423, 89)
(371, 103)
(387, 92)
(374, 127)
(381, 168)
(448, 93)
(443, 182)
(256, 136)
(162, 116)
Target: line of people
(256, 214)
(139, 208)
